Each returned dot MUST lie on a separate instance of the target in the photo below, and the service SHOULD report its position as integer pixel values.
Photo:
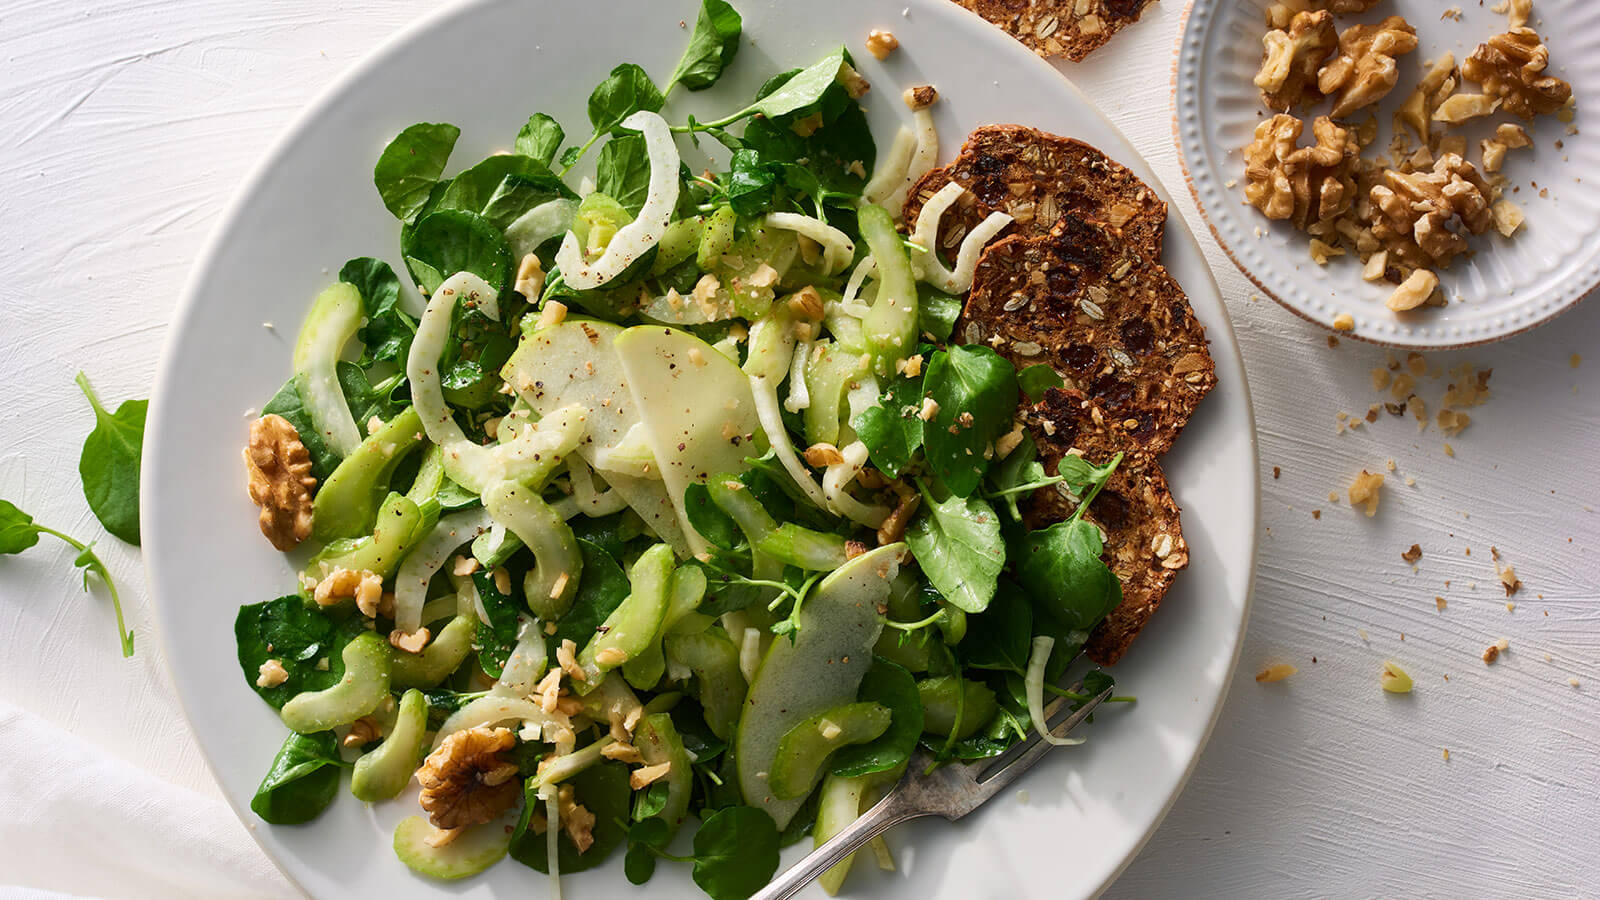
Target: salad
(658, 498)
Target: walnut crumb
(271, 674)
(1277, 672)
(411, 642)
(881, 43)
(1412, 555)
(1364, 491)
(1439, 603)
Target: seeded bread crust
(1112, 323)
(1069, 28)
(1136, 510)
(1038, 177)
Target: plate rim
(1179, 57)
(235, 208)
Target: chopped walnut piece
(920, 96)
(530, 283)
(1512, 135)
(363, 731)
(1507, 216)
(1365, 70)
(576, 820)
(1275, 673)
(1412, 555)
(271, 674)
(467, 781)
(1506, 574)
(894, 526)
(644, 776)
(1511, 66)
(822, 455)
(1437, 84)
(1306, 185)
(1414, 291)
(409, 642)
(1364, 490)
(881, 43)
(280, 480)
(1281, 13)
(1463, 107)
(1291, 58)
(342, 584)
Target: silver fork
(950, 791)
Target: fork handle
(883, 815)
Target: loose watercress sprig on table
(18, 532)
(109, 465)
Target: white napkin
(106, 829)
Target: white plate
(485, 66)
(1508, 286)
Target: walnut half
(467, 781)
(1423, 206)
(1291, 58)
(1511, 66)
(1306, 185)
(1365, 70)
(280, 480)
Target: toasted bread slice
(1144, 534)
(1037, 178)
(1070, 28)
(1109, 320)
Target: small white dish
(486, 66)
(1507, 286)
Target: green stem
(914, 626)
(1074, 695)
(88, 391)
(581, 151)
(92, 563)
(1023, 488)
(1095, 491)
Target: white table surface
(127, 125)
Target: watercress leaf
(1001, 637)
(707, 518)
(803, 89)
(976, 390)
(736, 852)
(644, 839)
(448, 241)
(639, 864)
(603, 790)
(482, 189)
(601, 589)
(750, 182)
(627, 90)
(711, 48)
(623, 171)
(649, 803)
(893, 686)
(956, 541)
(411, 164)
(689, 718)
(570, 157)
(294, 634)
(1036, 379)
(109, 464)
(498, 636)
(17, 531)
(303, 780)
(608, 533)
(1061, 567)
(540, 138)
(388, 332)
(892, 430)
(937, 312)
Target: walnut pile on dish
(1415, 208)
